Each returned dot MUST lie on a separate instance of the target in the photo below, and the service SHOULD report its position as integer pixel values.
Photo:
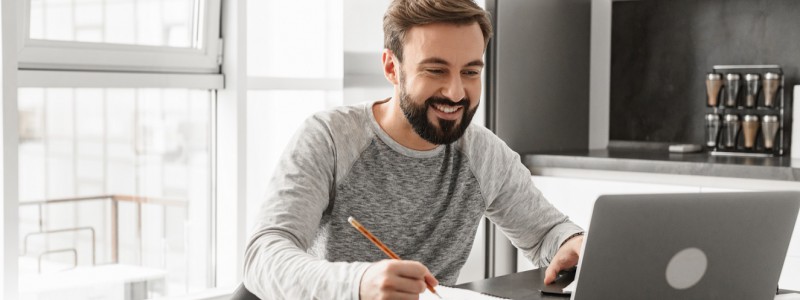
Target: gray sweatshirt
(424, 205)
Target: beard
(439, 132)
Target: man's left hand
(566, 257)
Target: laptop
(686, 246)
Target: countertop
(661, 161)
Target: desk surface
(87, 276)
(519, 286)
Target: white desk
(104, 281)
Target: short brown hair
(404, 14)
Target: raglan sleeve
(515, 205)
(277, 264)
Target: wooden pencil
(383, 247)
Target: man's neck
(391, 119)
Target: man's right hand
(395, 279)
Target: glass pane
(299, 38)
(168, 23)
(115, 191)
(272, 119)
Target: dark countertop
(661, 161)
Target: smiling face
(439, 80)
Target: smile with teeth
(446, 108)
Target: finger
(565, 258)
(409, 269)
(405, 285)
(550, 273)
(568, 260)
(401, 296)
(431, 280)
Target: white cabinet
(576, 197)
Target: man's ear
(390, 67)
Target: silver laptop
(687, 246)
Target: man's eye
(472, 73)
(435, 71)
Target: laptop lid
(686, 246)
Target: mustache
(445, 101)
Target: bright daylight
(399, 149)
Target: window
(124, 127)
(115, 192)
(294, 70)
(135, 35)
(167, 23)
(295, 39)
(116, 102)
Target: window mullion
(9, 182)
(231, 150)
(88, 79)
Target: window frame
(46, 63)
(100, 80)
(90, 79)
(71, 55)
(9, 210)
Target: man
(412, 169)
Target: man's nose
(454, 89)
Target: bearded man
(411, 168)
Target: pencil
(383, 247)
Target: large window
(136, 179)
(168, 23)
(117, 105)
(295, 39)
(115, 192)
(137, 35)
(294, 70)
